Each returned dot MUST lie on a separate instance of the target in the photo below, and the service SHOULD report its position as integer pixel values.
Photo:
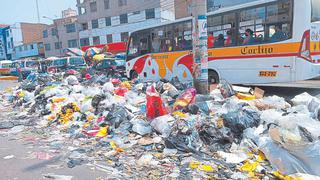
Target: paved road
(6, 84)
(23, 167)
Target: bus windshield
(60, 62)
(6, 65)
(315, 10)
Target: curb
(8, 78)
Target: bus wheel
(213, 77)
(134, 75)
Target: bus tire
(213, 77)
(133, 75)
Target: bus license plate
(268, 73)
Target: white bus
(265, 41)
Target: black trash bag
(40, 104)
(177, 84)
(159, 87)
(96, 100)
(184, 137)
(219, 139)
(116, 116)
(241, 119)
(179, 142)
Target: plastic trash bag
(217, 138)
(170, 90)
(155, 107)
(292, 159)
(302, 99)
(141, 127)
(108, 87)
(121, 91)
(162, 125)
(272, 102)
(72, 80)
(176, 83)
(226, 89)
(241, 119)
(186, 98)
(116, 116)
(313, 107)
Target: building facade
(3, 48)
(110, 21)
(19, 34)
(62, 34)
(34, 50)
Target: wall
(64, 37)
(164, 11)
(32, 32)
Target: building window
(57, 45)
(71, 28)
(25, 48)
(122, 3)
(95, 24)
(136, 12)
(106, 4)
(108, 21)
(45, 33)
(124, 36)
(150, 13)
(93, 6)
(72, 43)
(109, 38)
(123, 18)
(84, 42)
(96, 40)
(31, 46)
(84, 26)
(20, 48)
(54, 32)
(47, 47)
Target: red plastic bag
(88, 76)
(188, 97)
(121, 91)
(155, 107)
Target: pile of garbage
(133, 129)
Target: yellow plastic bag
(206, 168)
(194, 165)
(247, 97)
(103, 131)
(249, 167)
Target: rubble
(133, 130)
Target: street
(25, 165)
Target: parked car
(111, 67)
(66, 63)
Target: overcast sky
(12, 11)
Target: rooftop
(3, 25)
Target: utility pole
(38, 12)
(200, 46)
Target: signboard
(203, 46)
